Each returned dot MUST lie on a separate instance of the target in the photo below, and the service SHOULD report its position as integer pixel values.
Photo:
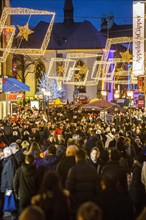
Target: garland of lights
(71, 74)
(78, 75)
(109, 42)
(26, 11)
(64, 67)
(100, 74)
(81, 55)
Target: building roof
(81, 35)
(118, 31)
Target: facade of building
(67, 38)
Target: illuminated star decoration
(81, 73)
(24, 31)
(60, 70)
(126, 56)
(118, 70)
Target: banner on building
(138, 38)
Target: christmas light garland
(26, 11)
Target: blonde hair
(35, 149)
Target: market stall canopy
(14, 85)
(117, 108)
(99, 104)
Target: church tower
(68, 12)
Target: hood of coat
(28, 169)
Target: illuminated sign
(138, 38)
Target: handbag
(9, 203)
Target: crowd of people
(69, 164)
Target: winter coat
(137, 189)
(115, 206)
(25, 181)
(63, 167)
(120, 172)
(8, 171)
(82, 182)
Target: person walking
(25, 183)
(82, 181)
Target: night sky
(91, 10)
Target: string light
(81, 55)
(7, 11)
(65, 62)
(78, 75)
(100, 74)
(109, 42)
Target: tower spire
(68, 12)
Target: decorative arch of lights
(104, 74)
(65, 62)
(70, 76)
(98, 70)
(118, 76)
(26, 11)
(69, 67)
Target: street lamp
(104, 93)
(116, 94)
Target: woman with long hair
(53, 200)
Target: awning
(14, 85)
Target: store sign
(138, 38)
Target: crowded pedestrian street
(66, 156)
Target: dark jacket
(26, 181)
(115, 206)
(120, 172)
(98, 165)
(118, 145)
(63, 167)
(8, 171)
(82, 182)
(137, 190)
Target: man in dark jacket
(66, 163)
(120, 172)
(117, 143)
(82, 181)
(25, 182)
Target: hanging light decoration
(25, 31)
(126, 56)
